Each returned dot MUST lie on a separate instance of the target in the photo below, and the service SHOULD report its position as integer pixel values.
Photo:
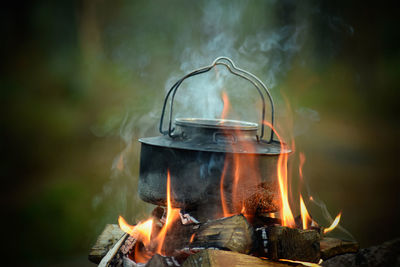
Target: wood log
(162, 261)
(220, 258)
(279, 242)
(331, 247)
(113, 255)
(231, 233)
(386, 254)
(110, 235)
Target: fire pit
(222, 195)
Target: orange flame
(225, 209)
(241, 177)
(301, 164)
(140, 256)
(224, 112)
(334, 223)
(286, 212)
(236, 163)
(142, 231)
(192, 238)
(226, 107)
(305, 217)
(236, 178)
(172, 215)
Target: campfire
(222, 196)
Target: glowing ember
(192, 238)
(334, 223)
(305, 217)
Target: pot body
(207, 160)
(196, 175)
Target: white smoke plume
(265, 51)
(255, 36)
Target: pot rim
(221, 124)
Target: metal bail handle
(228, 63)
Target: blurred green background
(82, 80)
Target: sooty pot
(206, 158)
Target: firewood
(279, 242)
(162, 261)
(110, 235)
(220, 258)
(232, 233)
(331, 247)
(113, 256)
(386, 254)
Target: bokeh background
(81, 81)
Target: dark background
(82, 80)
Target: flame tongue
(334, 224)
(305, 217)
(226, 106)
(143, 230)
(240, 174)
(286, 212)
(172, 215)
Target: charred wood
(220, 258)
(386, 254)
(311, 224)
(162, 261)
(231, 233)
(279, 242)
(331, 247)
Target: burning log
(331, 247)
(220, 258)
(231, 233)
(279, 242)
(110, 235)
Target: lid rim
(217, 124)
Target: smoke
(263, 45)
(266, 50)
(304, 119)
(263, 38)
